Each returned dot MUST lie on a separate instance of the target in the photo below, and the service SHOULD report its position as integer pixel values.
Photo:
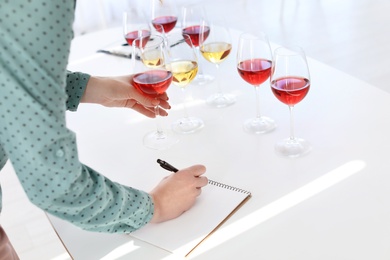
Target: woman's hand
(177, 193)
(119, 92)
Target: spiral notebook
(182, 235)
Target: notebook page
(182, 234)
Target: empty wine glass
(290, 83)
(183, 63)
(215, 46)
(193, 18)
(254, 60)
(154, 82)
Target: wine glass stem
(158, 122)
(218, 81)
(200, 67)
(257, 90)
(292, 135)
(184, 103)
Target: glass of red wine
(215, 46)
(183, 63)
(163, 15)
(254, 61)
(194, 19)
(290, 83)
(152, 82)
(135, 26)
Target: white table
(331, 204)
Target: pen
(166, 166)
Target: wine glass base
(292, 147)
(203, 79)
(159, 140)
(259, 125)
(220, 100)
(187, 125)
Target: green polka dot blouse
(35, 91)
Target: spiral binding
(225, 186)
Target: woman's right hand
(177, 193)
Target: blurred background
(350, 35)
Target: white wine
(153, 58)
(216, 52)
(183, 71)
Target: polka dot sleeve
(35, 92)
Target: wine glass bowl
(135, 26)
(254, 61)
(183, 63)
(290, 83)
(163, 15)
(215, 46)
(153, 82)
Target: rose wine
(184, 71)
(216, 52)
(255, 71)
(290, 90)
(131, 36)
(164, 22)
(194, 31)
(152, 82)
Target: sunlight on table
(284, 203)
(121, 251)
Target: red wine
(194, 31)
(255, 71)
(167, 23)
(290, 90)
(152, 82)
(131, 36)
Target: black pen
(167, 166)
(171, 168)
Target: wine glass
(163, 15)
(290, 82)
(193, 18)
(154, 82)
(254, 61)
(215, 46)
(135, 26)
(183, 63)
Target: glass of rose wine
(254, 61)
(152, 82)
(215, 46)
(183, 63)
(193, 19)
(290, 83)
(135, 26)
(164, 15)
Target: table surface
(329, 204)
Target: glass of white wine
(183, 63)
(215, 46)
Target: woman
(35, 91)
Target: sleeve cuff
(76, 83)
